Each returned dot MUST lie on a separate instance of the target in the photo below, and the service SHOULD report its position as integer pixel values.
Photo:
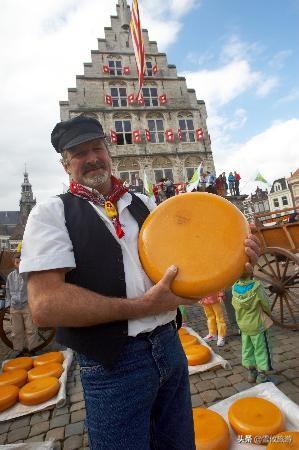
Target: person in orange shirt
(214, 311)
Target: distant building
(280, 196)
(293, 182)
(12, 223)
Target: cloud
(278, 60)
(274, 153)
(236, 49)
(291, 97)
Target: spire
(124, 14)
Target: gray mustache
(98, 165)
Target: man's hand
(252, 250)
(160, 298)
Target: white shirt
(47, 245)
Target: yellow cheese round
(198, 354)
(211, 430)
(39, 391)
(24, 362)
(46, 370)
(288, 440)
(188, 339)
(47, 358)
(182, 332)
(203, 235)
(17, 377)
(8, 396)
(255, 416)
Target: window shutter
(163, 99)
(169, 135)
(113, 137)
(199, 134)
(108, 99)
(136, 137)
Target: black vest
(99, 268)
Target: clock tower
(27, 201)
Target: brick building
(166, 135)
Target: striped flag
(148, 187)
(196, 179)
(138, 44)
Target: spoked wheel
(278, 269)
(45, 334)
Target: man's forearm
(72, 306)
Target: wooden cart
(278, 269)
(45, 334)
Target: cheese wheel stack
(211, 430)
(255, 416)
(43, 379)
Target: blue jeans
(144, 402)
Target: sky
(242, 58)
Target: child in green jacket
(252, 309)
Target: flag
(126, 70)
(131, 99)
(148, 135)
(113, 137)
(136, 136)
(169, 135)
(193, 183)
(199, 134)
(259, 177)
(163, 99)
(148, 187)
(138, 43)
(108, 99)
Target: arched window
(150, 94)
(115, 66)
(277, 187)
(118, 94)
(186, 125)
(191, 164)
(123, 128)
(162, 167)
(129, 170)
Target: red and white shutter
(169, 135)
(155, 69)
(108, 99)
(136, 136)
(131, 99)
(141, 100)
(199, 134)
(106, 69)
(113, 137)
(148, 135)
(180, 134)
(163, 99)
(126, 70)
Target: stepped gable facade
(165, 134)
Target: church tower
(27, 202)
(165, 134)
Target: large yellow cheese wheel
(288, 440)
(47, 358)
(255, 416)
(188, 339)
(46, 370)
(39, 391)
(8, 396)
(182, 331)
(203, 235)
(24, 362)
(211, 430)
(17, 377)
(198, 354)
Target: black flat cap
(75, 131)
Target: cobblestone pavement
(66, 425)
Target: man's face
(89, 164)
(17, 262)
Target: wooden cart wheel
(45, 334)
(278, 269)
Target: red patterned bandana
(107, 201)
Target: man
(210, 183)
(23, 329)
(237, 182)
(86, 279)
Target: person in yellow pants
(214, 311)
